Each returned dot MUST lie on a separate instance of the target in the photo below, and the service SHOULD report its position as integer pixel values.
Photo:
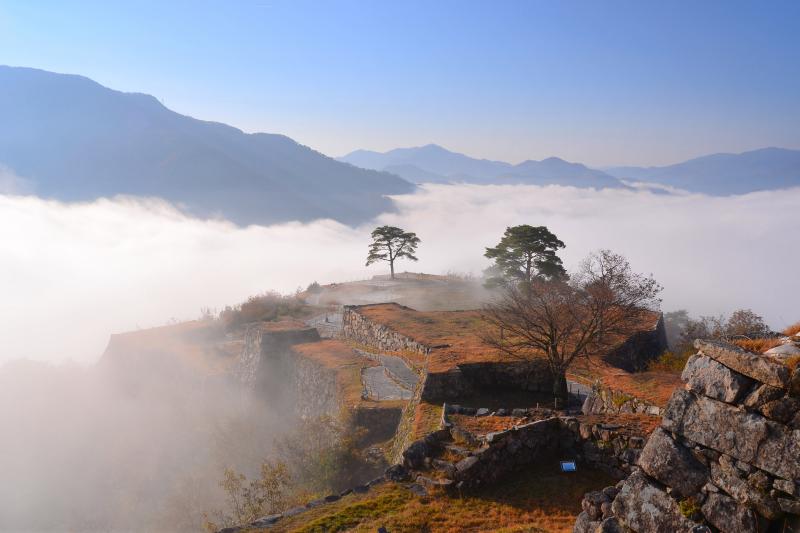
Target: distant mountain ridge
(73, 139)
(723, 174)
(432, 163)
(717, 174)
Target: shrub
(794, 329)
(267, 307)
(248, 500)
(313, 288)
(670, 362)
(689, 508)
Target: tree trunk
(391, 267)
(560, 388)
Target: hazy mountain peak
(74, 139)
(725, 173)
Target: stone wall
(263, 347)
(641, 348)
(496, 455)
(457, 382)
(358, 328)
(726, 457)
(606, 400)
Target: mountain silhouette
(72, 139)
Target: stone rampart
(610, 401)
(362, 330)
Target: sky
(603, 83)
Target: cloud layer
(71, 274)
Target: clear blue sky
(639, 82)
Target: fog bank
(71, 274)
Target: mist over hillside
(69, 138)
(144, 262)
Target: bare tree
(601, 305)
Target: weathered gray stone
(784, 485)
(591, 503)
(789, 506)
(644, 507)
(728, 516)
(397, 473)
(417, 489)
(725, 476)
(782, 409)
(434, 483)
(759, 367)
(611, 492)
(267, 520)
(673, 465)
(759, 480)
(794, 383)
(584, 524)
(465, 464)
(710, 378)
(745, 436)
(610, 525)
(715, 424)
(784, 350)
(447, 467)
(761, 395)
(483, 411)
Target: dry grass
(655, 387)
(427, 418)
(481, 425)
(639, 425)
(794, 329)
(538, 498)
(455, 336)
(757, 345)
(199, 345)
(669, 362)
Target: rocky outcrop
(727, 455)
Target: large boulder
(644, 507)
(710, 378)
(672, 464)
(746, 436)
(725, 476)
(716, 425)
(762, 368)
(728, 516)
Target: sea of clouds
(71, 274)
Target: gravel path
(380, 386)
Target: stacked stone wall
(362, 330)
(611, 401)
(635, 353)
(726, 457)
